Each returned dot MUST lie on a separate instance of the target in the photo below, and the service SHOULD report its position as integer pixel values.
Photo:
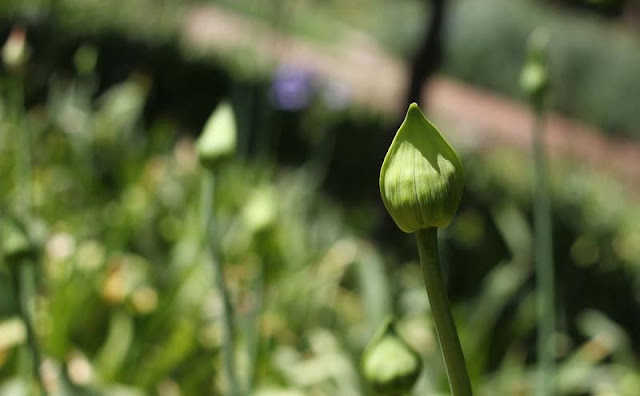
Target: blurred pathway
(376, 80)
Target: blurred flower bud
(389, 364)
(85, 59)
(421, 179)
(534, 78)
(260, 210)
(15, 239)
(15, 51)
(218, 139)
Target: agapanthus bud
(218, 138)
(389, 364)
(85, 59)
(421, 179)
(15, 239)
(534, 78)
(15, 51)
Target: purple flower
(292, 88)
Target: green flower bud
(85, 59)
(389, 364)
(421, 179)
(534, 78)
(218, 139)
(15, 239)
(15, 51)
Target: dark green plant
(421, 183)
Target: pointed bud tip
(415, 114)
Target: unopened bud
(15, 51)
(15, 239)
(85, 59)
(389, 364)
(534, 78)
(421, 179)
(218, 139)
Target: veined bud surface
(218, 139)
(421, 179)
(389, 364)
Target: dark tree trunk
(428, 57)
(429, 54)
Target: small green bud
(421, 179)
(218, 139)
(389, 364)
(15, 239)
(85, 59)
(15, 51)
(534, 78)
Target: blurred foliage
(595, 59)
(593, 62)
(116, 206)
(125, 303)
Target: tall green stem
(25, 285)
(25, 279)
(543, 261)
(209, 231)
(445, 327)
(253, 330)
(22, 146)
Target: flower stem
(209, 232)
(445, 327)
(543, 257)
(25, 280)
(22, 147)
(25, 292)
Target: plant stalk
(22, 147)
(445, 327)
(543, 257)
(26, 291)
(209, 232)
(25, 276)
(23, 288)
(253, 330)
